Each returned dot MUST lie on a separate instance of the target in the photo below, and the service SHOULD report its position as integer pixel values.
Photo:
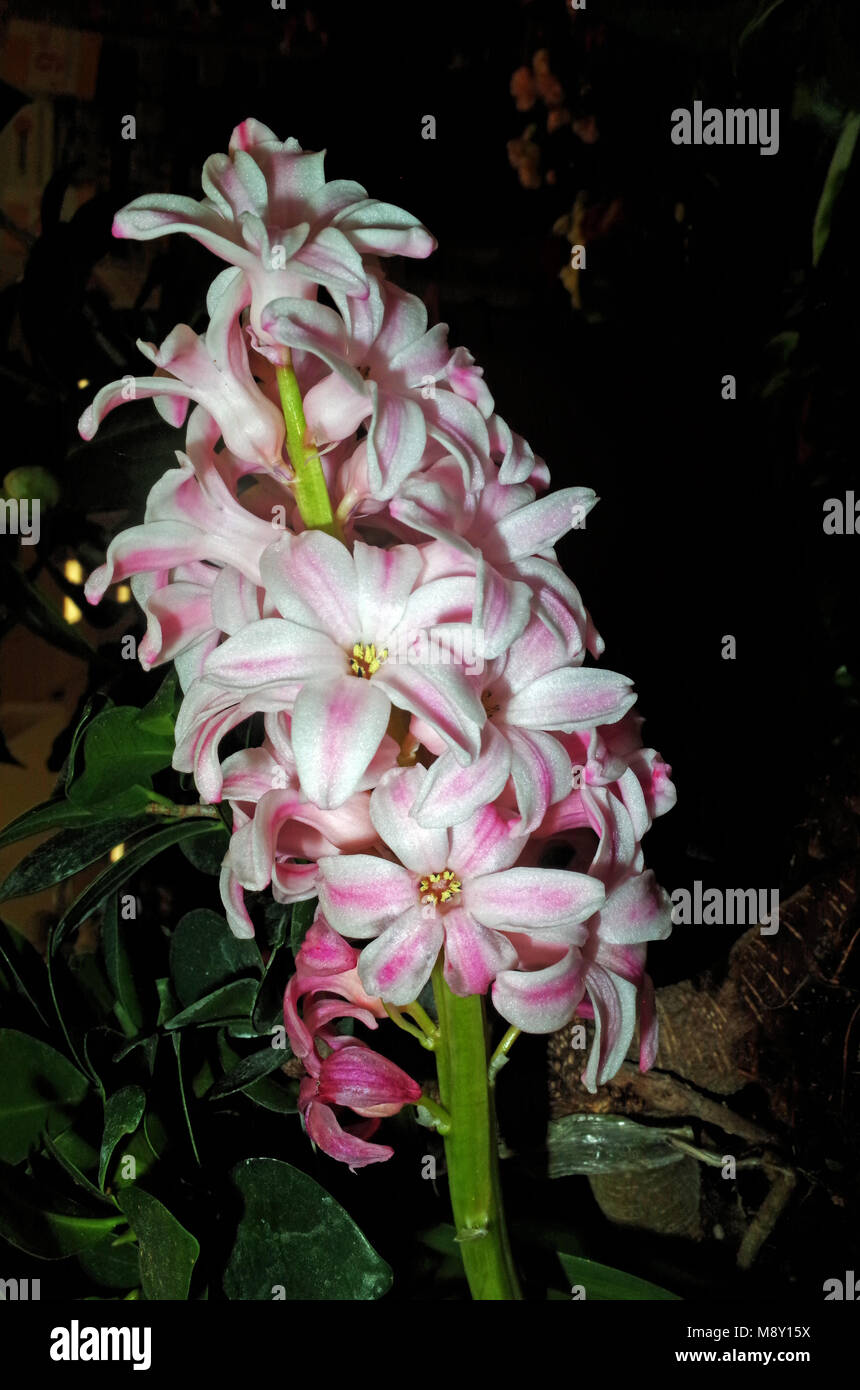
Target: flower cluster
(433, 732)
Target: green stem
(437, 1112)
(423, 1019)
(396, 1016)
(310, 487)
(471, 1146)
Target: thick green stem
(471, 1145)
(310, 486)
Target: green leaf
(128, 1007)
(66, 854)
(122, 748)
(177, 1048)
(50, 815)
(167, 1251)
(39, 1089)
(74, 1172)
(123, 1113)
(145, 848)
(207, 856)
(232, 1001)
(249, 1070)
(836, 174)
(26, 969)
(158, 717)
(303, 916)
(294, 1235)
(112, 1266)
(602, 1284)
(45, 1224)
(204, 954)
(280, 1096)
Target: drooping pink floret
(342, 1072)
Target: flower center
(439, 888)
(366, 660)
(491, 706)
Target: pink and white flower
(212, 370)
(388, 369)
(269, 210)
(529, 694)
(455, 890)
(337, 653)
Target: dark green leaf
(602, 1284)
(233, 1001)
(177, 1048)
(207, 855)
(112, 1266)
(39, 1090)
(66, 854)
(249, 1070)
(50, 815)
(293, 1236)
(144, 849)
(25, 968)
(839, 166)
(128, 1006)
(204, 954)
(167, 1251)
(123, 1113)
(168, 1004)
(275, 1093)
(44, 1223)
(74, 1172)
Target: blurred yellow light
(73, 571)
(123, 593)
(116, 853)
(83, 383)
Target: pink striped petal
(311, 578)
(338, 725)
(421, 851)
(543, 1000)
(397, 965)
(473, 954)
(273, 650)
(361, 894)
(575, 697)
(487, 842)
(385, 579)
(639, 910)
(613, 1000)
(532, 898)
(440, 696)
(451, 793)
(541, 773)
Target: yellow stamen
(365, 660)
(440, 887)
